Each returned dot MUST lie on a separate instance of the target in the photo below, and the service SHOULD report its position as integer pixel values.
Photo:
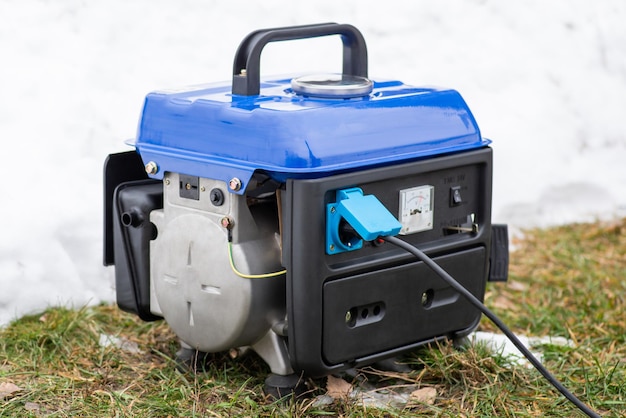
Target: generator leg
(461, 343)
(190, 359)
(273, 350)
(278, 386)
(392, 365)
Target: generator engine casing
(234, 219)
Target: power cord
(478, 304)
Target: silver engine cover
(192, 284)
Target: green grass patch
(568, 281)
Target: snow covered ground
(545, 80)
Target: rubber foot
(279, 387)
(461, 343)
(391, 365)
(188, 359)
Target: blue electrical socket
(364, 213)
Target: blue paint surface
(208, 132)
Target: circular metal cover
(332, 86)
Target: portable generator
(252, 213)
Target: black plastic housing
(132, 233)
(407, 305)
(129, 197)
(499, 260)
(118, 168)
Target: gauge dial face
(416, 209)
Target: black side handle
(246, 68)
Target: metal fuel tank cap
(332, 86)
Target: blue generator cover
(206, 131)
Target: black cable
(477, 303)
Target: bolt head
(226, 222)
(234, 184)
(151, 167)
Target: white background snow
(545, 80)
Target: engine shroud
(193, 286)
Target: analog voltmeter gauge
(416, 209)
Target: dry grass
(568, 281)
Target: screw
(226, 222)
(234, 184)
(152, 167)
(332, 247)
(332, 209)
(202, 189)
(167, 182)
(348, 316)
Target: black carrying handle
(246, 68)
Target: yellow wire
(249, 276)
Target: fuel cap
(332, 86)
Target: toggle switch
(455, 196)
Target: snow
(500, 344)
(545, 80)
